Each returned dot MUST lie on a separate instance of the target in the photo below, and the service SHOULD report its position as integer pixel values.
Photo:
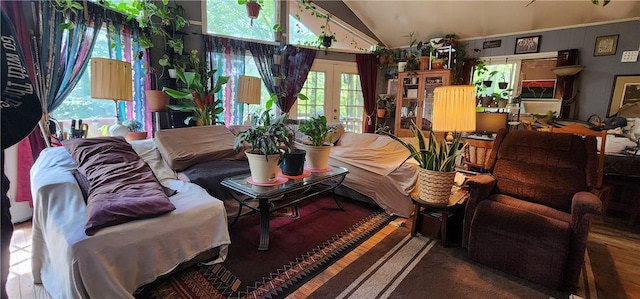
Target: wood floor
(621, 241)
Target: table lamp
(249, 90)
(454, 109)
(112, 80)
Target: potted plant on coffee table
(319, 146)
(436, 164)
(268, 135)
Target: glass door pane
(409, 102)
(314, 89)
(430, 83)
(351, 103)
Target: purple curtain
(263, 56)
(297, 63)
(368, 71)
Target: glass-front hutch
(414, 100)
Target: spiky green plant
(432, 154)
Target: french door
(333, 89)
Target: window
(228, 18)
(313, 88)
(80, 105)
(304, 29)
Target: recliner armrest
(584, 203)
(480, 187)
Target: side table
(425, 216)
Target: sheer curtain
(227, 56)
(368, 71)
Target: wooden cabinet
(414, 99)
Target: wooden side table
(434, 226)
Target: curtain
(368, 71)
(227, 56)
(122, 45)
(263, 56)
(296, 67)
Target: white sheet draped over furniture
(374, 169)
(119, 259)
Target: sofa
(204, 155)
(73, 258)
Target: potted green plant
(136, 131)
(198, 97)
(253, 8)
(413, 64)
(385, 56)
(436, 164)
(268, 135)
(319, 147)
(382, 104)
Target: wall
(594, 82)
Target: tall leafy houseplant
(267, 136)
(198, 97)
(436, 162)
(318, 149)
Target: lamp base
(118, 129)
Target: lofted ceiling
(392, 21)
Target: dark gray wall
(595, 82)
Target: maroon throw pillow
(122, 186)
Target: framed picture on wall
(626, 89)
(529, 44)
(605, 45)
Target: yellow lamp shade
(454, 108)
(249, 90)
(111, 79)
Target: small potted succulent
(136, 130)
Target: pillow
(84, 185)
(184, 147)
(122, 186)
(148, 151)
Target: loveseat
(113, 261)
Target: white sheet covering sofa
(374, 167)
(119, 259)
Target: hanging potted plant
(385, 56)
(267, 136)
(253, 8)
(436, 164)
(326, 37)
(320, 144)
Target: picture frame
(605, 45)
(626, 89)
(528, 44)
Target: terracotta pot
(253, 10)
(424, 63)
(502, 103)
(136, 136)
(486, 101)
(438, 64)
(381, 113)
(157, 100)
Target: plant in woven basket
(436, 161)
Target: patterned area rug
(219, 281)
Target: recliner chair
(531, 217)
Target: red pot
(253, 9)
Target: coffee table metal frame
(272, 198)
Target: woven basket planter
(435, 186)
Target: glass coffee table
(273, 198)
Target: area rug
(403, 267)
(300, 247)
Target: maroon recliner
(531, 217)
